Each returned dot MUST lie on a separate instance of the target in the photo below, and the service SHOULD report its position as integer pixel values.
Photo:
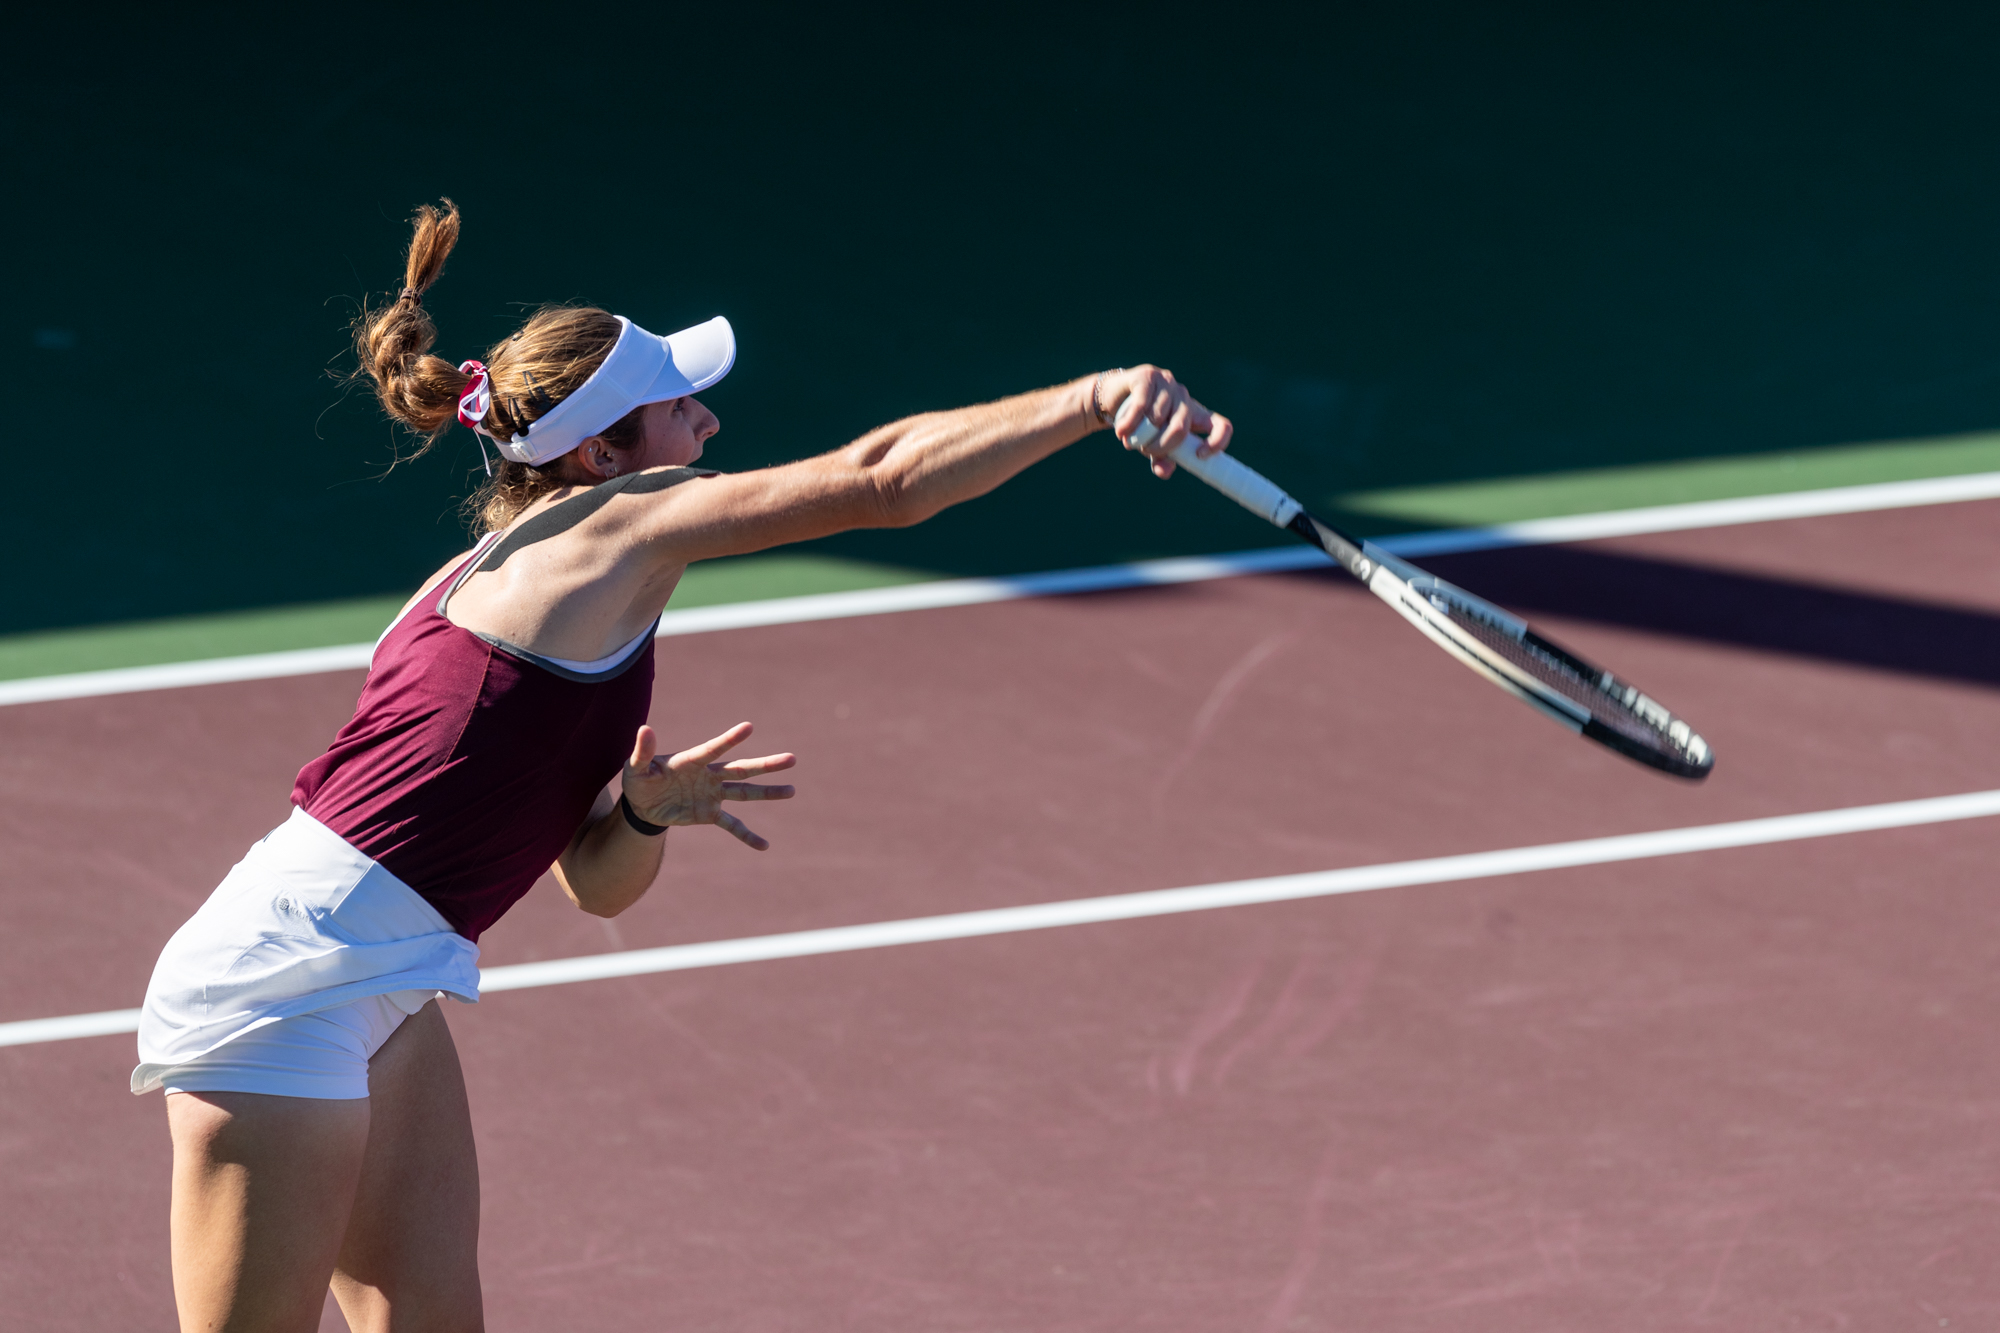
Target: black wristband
(639, 825)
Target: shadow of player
(1724, 606)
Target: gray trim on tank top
(586, 678)
(529, 655)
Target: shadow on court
(1728, 607)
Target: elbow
(593, 903)
(893, 501)
(885, 483)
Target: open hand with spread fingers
(690, 787)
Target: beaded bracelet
(1096, 406)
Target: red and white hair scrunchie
(474, 402)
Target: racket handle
(1248, 487)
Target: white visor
(642, 368)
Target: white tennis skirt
(304, 925)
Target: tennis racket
(1580, 695)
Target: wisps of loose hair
(544, 361)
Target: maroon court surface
(1739, 1089)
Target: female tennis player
(319, 1121)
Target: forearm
(922, 464)
(894, 476)
(609, 865)
(908, 470)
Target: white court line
(1703, 514)
(173, 675)
(1101, 578)
(1158, 902)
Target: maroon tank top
(469, 762)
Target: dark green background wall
(1398, 242)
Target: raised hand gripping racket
(1585, 698)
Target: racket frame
(1409, 591)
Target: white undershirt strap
(603, 664)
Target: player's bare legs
(276, 1198)
(262, 1190)
(412, 1245)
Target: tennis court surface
(1748, 1087)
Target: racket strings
(1609, 701)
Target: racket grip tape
(1245, 485)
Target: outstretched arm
(609, 864)
(907, 471)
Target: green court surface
(791, 574)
